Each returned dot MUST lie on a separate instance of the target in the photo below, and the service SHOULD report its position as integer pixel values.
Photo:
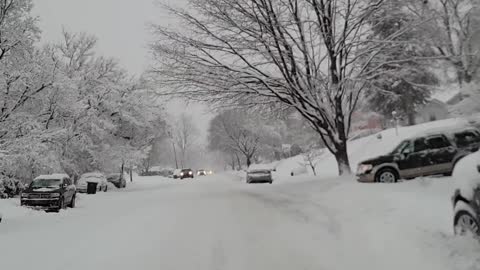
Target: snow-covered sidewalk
(219, 222)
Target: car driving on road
(429, 153)
(259, 176)
(50, 192)
(186, 173)
(201, 172)
(99, 178)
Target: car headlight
(55, 195)
(364, 168)
(190, 173)
(181, 174)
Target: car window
(420, 145)
(437, 142)
(465, 138)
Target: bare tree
(453, 33)
(311, 159)
(310, 55)
(230, 134)
(185, 132)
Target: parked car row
(54, 192)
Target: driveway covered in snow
(219, 222)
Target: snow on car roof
(445, 130)
(92, 174)
(260, 167)
(52, 176)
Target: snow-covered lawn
(219, 222)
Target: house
(433, 110)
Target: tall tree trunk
(411, 118)
(249, 161)
(232, 163)
(343, 162)
(239, 163)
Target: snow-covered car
(50, 192)
(430, 153)
(117, 179)
(96, 177)
(255, 175)
(176, 173)
(466, 198)
(201, 172)
(298, 170)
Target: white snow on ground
(218, 222)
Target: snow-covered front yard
(219, 222)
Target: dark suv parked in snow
(430, 153)
(50, 192)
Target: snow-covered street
(219, 222)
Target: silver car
(99, 178)
(259, 176)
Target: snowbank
(467, 176)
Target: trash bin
(92, 187)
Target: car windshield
(401, 147)
(113, 176)
(259, 171)
(46, 183)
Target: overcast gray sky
(121, 27)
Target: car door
(69, 189)
(441, 154)
(413, 158)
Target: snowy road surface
(221, 223)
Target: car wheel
(464, 223)
(386, 175)
(72, 203)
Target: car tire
(386, 175)
(73, 202)
(464, 222)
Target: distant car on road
(186, 173)
(429, 153)
(99, 178)
(50, 192)
(201, 172)
(466, 197)
(117, 179)
(259, 176)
